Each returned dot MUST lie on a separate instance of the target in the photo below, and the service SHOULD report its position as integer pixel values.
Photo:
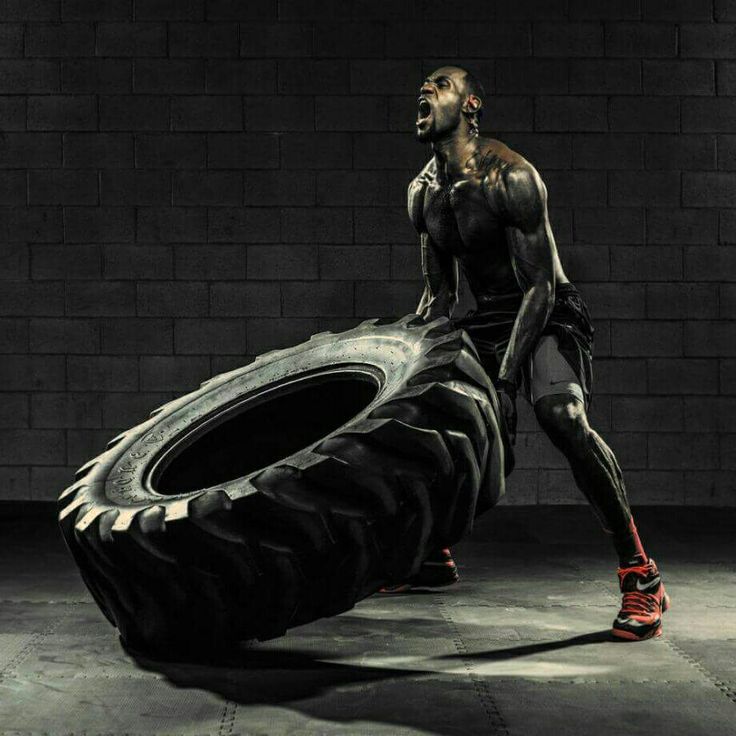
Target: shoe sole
(630, 636)
(406, 587)
(397, 589)
(653, 634)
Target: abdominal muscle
(489, 272)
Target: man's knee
(563, 419)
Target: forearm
(530, 321)
(440, 282)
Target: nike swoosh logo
(630, 621)
(651, 584)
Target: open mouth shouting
(424, 112)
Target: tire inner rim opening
(275, 422)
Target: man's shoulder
(497, 160)
(507, 172)
(425, 176)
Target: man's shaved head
(474, 87)
(472, 84)
(449, 88)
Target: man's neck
(451, 154)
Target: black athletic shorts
(562, 359)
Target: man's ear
(472, 104)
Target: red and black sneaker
(437, 571)
(644, 602)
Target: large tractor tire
(289, 489)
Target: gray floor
(520, 646)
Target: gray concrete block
(131, 39)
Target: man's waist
(514, 298)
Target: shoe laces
(645, 571)
(635, 602)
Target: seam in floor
(13, 675)
(724, 687)
(87, 733)
(498, 724)
(556, 681)
(26, 602)
(25, 652)
(227, 720)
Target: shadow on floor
(304, 683)
(271, 677)
(344, 695)
(501, 655)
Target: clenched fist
(506, 391)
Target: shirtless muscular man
(481, 206)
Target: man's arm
(440, 281)
(531, 245)
(439, 269)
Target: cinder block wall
(188, 183)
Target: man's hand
(506, 391)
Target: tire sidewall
(121, 478)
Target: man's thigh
(550, 373)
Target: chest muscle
(458, 217)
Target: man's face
(440, 103)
